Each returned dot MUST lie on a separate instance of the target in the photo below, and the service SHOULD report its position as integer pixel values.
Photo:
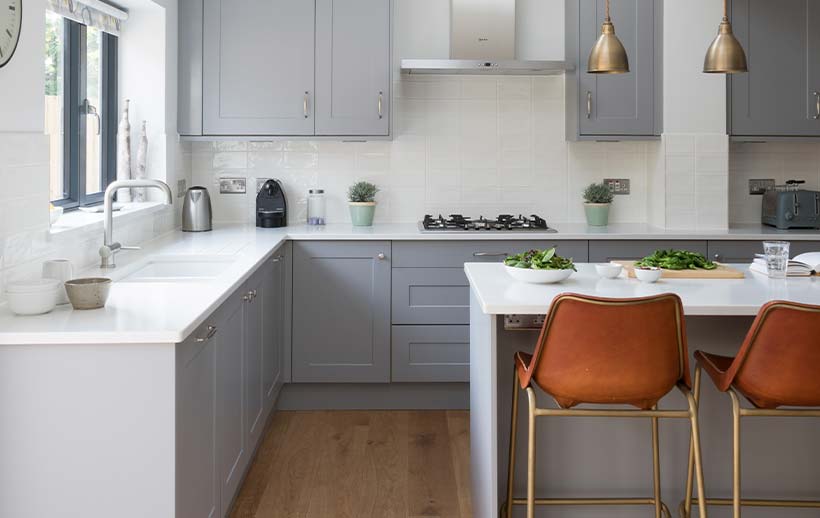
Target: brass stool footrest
(591, 501)
(757, 503)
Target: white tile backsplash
(25, 240)
(779, 161)
(476, 145)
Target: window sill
(80, 221)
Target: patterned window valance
(92, 13)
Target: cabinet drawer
(431, 353)
(744, 251)
(449, 254)
(603, 251)
(430, 296)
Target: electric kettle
(196, 210)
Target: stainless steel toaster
(196, 210)
(788, 206)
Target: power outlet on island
(618, 186)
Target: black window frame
(75, 118)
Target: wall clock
(11, 21)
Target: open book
(803, 265)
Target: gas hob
(501, 223)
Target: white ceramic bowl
(608, 270)
(649, 274)
(537, 276)
(33, 297)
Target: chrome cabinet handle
(717, 257)
(246, 297)
(381, 95)
(589, 104)
(305, 104)
(490, 254)
(211, 333)
(817, 98)
(277, 258)
(381, 256)
(253, 294)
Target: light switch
(759, 186)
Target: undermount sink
(178, 269)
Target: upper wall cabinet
(284, 67)
(612, 107)
(780, 95)
(258, 67)
(352, 67)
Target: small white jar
(316, 207)
(33, 297)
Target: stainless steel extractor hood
(482, 41)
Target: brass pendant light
(608, 55)
(725, 55)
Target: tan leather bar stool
(605, 352)
(778, 366)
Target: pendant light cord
(725, 10)
(607, 10)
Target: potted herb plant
(362, 197)
(597, 199)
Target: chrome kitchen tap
(110, 247)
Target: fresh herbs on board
(676, 260)
(540, 260)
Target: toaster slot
(796, 205)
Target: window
(80, 110)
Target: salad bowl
(539, 266)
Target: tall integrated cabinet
(284, 68)
(615, 106)
(780, 95)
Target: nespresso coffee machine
(271, 207)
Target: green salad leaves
(677, 260)
(540, 260)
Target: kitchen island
(613, 458)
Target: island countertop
(498, 293)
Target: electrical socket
(182, 186)
(617, 185)
(759, 186)
(232, 185)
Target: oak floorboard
(431, 488)
(362, 464)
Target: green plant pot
(597, 214)
(361, 213)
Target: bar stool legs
(661, 510)
(736, 501)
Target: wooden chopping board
(721, 272)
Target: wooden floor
(359, 464)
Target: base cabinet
(229, 373)
(341, 312)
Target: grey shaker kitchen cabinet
(780, 95)
(274, 326)
(742, 252)
(352, 67)
(430, 296)
(258, 67)
(453, 254)
(232, 447)
(431, 353)
(197, 493)
(253, 296)
(341, 311)
(608, 250)
(613, 106)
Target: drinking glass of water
(777, 258)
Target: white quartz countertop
(169, 312)
(151, 312)
(566, 231)
(498, 293)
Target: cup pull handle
(211, 333)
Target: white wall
(694, 102)
(22, 79)
(25, 240)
